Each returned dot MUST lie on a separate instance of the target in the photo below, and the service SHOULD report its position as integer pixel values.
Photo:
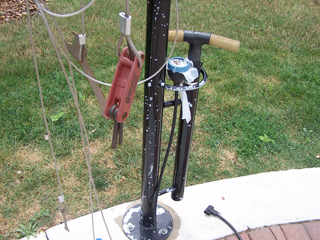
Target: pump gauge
(177, 66)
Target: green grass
(259, 111)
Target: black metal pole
(156, 49)
(142, 221)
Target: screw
(163, 231)
(130, 227)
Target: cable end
(210, 211)
(125, 24)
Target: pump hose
(211, 211)
(169, 143)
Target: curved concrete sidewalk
(247, 202)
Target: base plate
(131, 225)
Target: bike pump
(196, 40)
(148, 220)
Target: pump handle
(214, 40)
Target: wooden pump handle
(172, 35)
(214, 40)
(224, 42)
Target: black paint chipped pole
(148, 220)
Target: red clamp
(124, 85)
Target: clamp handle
(205, 38)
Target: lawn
(259, 111)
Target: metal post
(156, 48)
(151, 225)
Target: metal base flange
(132, 228)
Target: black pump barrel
(196, 40)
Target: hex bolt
(163, 231)
(130, 227)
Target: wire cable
(118, 46)
(67, 14)
(81, 72)
(169, 143)
(133, 48)
(170, 54)
(120, 40)
(86, 145)
(173, 46)
(211, 211)
(82, 18)
(84, 134)
(45, 117)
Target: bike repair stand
(148, 220)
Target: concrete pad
(246, 202)
(81, 228)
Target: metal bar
(170, 103)
(79, 52)
(156, 48)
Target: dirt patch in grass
(228, 160)
(96, 147)
(27, 212)
(30, 211)
(111, 164)
(102, 154)
(29, 154)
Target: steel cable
(68, 14)
(80, 118)
(84, 135)
(43, 109)
(118, 54)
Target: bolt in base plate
(132, 228)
